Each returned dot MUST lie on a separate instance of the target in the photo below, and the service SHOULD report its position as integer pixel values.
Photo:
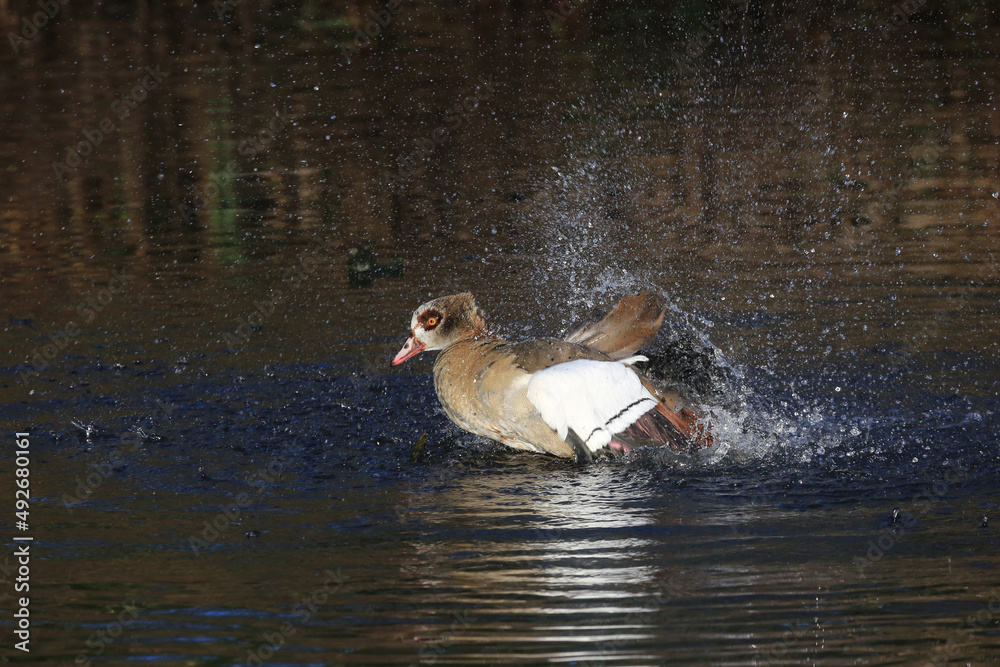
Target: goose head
(440, 323)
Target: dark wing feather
(622, 332)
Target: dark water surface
(220, 456)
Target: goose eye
(430, 319)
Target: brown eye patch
(429, 319)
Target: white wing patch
(596, 399)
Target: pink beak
(412, 348)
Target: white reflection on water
(585, 524)
(562, 553)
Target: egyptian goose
(571, 398)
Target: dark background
(216, 432)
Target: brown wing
(679, 430)
(542, 353)
(672, 422)
(622, 332)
